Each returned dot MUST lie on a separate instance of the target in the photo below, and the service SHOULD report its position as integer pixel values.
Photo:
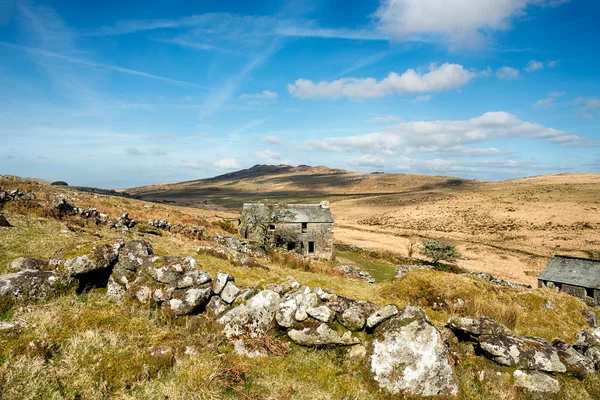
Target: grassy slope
(88, 347)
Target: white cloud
(592, 104)
(460, 22)
(421, 99)
(439, 136)
(265, 94)
(272, 140)
(227, 163)
(202, 134)
(552, 63)
(534, 65)
(385, 119)
(133, 151)
(268, 156)
(439, 78)
(506, 73)
(549, 101)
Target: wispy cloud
(507, 73)
(227, 163)
(549, 101)
(133, 151)
(272, 140)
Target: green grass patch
(381, 271)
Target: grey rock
(115, 290)
(286, 311)
(577, 364)
(588, 338)
(323, 294)
(220, 281)
(590, 317)
(132, 254)
(408, 357)
(522, 352)
(33, 285)
(354, 272)
(188, 301)
(229, 292)
(381, 315)
(253, 318)
(191, 278)
(23, 263)
(353, 318)
(282, 288)
(321, 313)
(168, 269)
(11, 327)
(323, 335)
(216, 306)
(405, 269)
(103, 256)
(534, 383)
(593, 354)
(472, 328)
(305, 301)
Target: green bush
(439, 250)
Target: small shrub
(410, 247)
(439, 250)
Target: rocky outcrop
(322, 335)
(472, 328)
(535, 384)
(381, 315)
(576, 363)
(522, 352)
(24, 263)
(33, 285)
(405, 269)
(253, 318)
(354, 272)
(408, 356)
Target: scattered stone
(358, 352)
(522, 352)
(405, 269)
(590, 317)
(354, 272)
(229, 292)
(593, 353)
(323, 335)
(104, 256)
(321, 313)
(547, 306)
(253, 318)
(305, 301)
(125, 222)
(286, 311)
(496, 281)
(353, 318)
(220, 281)
(323, 294)
(3, 221)
(576, 363)
(11, 327)
(23, 263)
(168, 269)
(284, 287)
(467, 328)
(408, 357)
(62, 206)
(381, 315)
(535, 383)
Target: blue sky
(121, 94)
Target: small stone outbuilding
(305, 228)
(576, 276)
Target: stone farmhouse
(576, 276)
(305, 228)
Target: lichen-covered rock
(114, 290)
(102, 256)
(220, 281)
(353, 318)
(472, 328)
(404, 269)
(536, 384)
(187, 301)
(11, 327)
(522, 352)
(305, 301)
(168, 269)
(286, 311)
(590, 317)
(132, 254)
(322, 335)
(253, 318)
(33, 285)
(354, 272)
(576, 363)
(593, 354)
(229, 292)
(588, 337)
(381, 315)
(216, 306)
(408, 357)
(23, 263)
(282, 288)
(321, 313)
(193, 278)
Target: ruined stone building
(305, 228)
(576, 276)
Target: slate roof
(314, 213)
(572, 271)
